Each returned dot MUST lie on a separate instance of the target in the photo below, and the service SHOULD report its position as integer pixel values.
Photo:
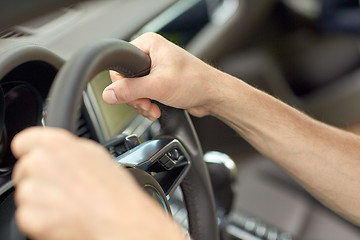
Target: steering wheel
(175, 154)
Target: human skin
(71, 188)
(324, 159)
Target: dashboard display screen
(112, 119)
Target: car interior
(54, 62)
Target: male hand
(176, 78)
(71, 188)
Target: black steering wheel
(177, 132)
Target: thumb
(132, 92)
(126, 90)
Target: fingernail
(152, 115)
(152, 119)
(110, 97)
(143, 108)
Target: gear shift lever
(223, 171)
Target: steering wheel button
(164, 159)
(170, 164)
(120, 149)
(167, 162)
(174, 154)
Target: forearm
(324, 159)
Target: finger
(147, 115)
(38, 222)
(29, 220)
(31, 164)
(37, 191)
(36, 137)
(37, 148)
(154, 112)
(24, 141)
(143, 104)
(146, 108)
(36, 201)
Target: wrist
(229, 92)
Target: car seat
(266, 194)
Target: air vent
(83, 129)
(12, 34)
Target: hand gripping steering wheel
(176, 131)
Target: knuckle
(29, 223)
(152, 36)
(25, 167)
(35, 163)
(25, 192)
(21, 217)
(54, 138)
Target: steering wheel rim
(111, 54)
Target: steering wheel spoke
(165, 159)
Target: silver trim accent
(139, 126)
(92, 109)
(309, 8)
(167, 16)
(222, 159)
(6, 187)
(225, 11)
(240, 233)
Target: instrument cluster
(21, 107)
